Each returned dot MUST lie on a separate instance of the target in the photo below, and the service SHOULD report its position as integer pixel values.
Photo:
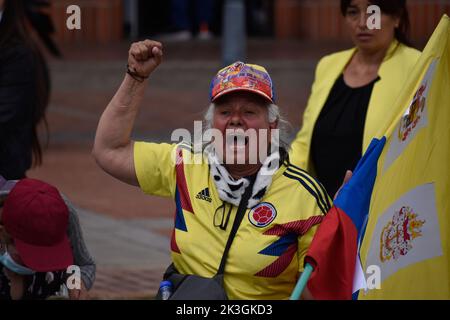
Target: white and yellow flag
(408, 231)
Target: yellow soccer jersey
(273, 237)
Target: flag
(333, 252)
(407, 238)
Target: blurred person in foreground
(40, 237)
(24, 85)
(353, 92)
(281, 206)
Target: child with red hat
(35, 250)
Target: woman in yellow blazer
(353, 92)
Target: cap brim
(45, 259)
(262, 94)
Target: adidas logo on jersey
(204, 195)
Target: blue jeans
(181, 17)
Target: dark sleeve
(4, 286)
(81, 255)
(43, 285)
(17, 79)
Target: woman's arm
(113, 148)
(81, 256)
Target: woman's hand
(348, 176)
(17, 284)
(78, 294)
(144, 57)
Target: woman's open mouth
(237, 140)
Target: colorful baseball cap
(244, 77)
(37, 218)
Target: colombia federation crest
(262, 214)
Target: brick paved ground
(126, 231)
(116, 283)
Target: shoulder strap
(237, 221)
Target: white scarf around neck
(231, 190)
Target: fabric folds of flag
(334, 250)
(398, 224)
(407, 237)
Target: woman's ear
(273, 125)
(397, 22)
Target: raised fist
(144, 57)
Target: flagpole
(301, 283)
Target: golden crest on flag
(413, 114)
(398, 235)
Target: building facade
(322, 19)
(106, 21)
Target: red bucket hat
(37, 218)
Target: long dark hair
(13, 31)
(12, 27)
(395, 8)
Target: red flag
(334, 249)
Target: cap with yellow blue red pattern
(240, 76)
